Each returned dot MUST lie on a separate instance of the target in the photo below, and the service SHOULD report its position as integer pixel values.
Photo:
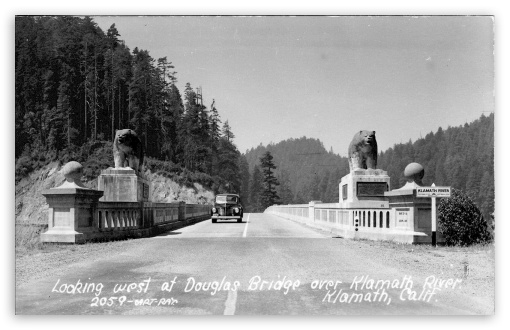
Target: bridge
(311, 259)
(264, 265)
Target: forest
(305, 170)
(461, 157)
(76, 84)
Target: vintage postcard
(254, 165)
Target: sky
(280, 77)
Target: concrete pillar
(182, 211)
(72, 208)
(123, 185)
(311, 211)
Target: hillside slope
(31, 205)
(461, 157)
(311, 172)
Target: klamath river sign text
(433, 192)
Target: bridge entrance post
(72, 208)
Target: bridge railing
(331, 215)
(164, 213)
(118, 216)
(77, 216)
(404, 222)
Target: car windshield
(226, 199)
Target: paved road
(220, 268)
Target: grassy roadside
(53, 259)
(474, 265)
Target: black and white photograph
(255, 165)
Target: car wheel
(214, 220)
(240, 220)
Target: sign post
(433, 192)
(434, 218)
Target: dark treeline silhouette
(461, 157)
(304, 169)
(269, 195)
(75, 85)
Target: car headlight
(236, 210)
(213, 210)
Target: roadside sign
(433, 192)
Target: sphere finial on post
(414, 172)
(73, 171)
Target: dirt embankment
(31, 205)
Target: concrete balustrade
(366, 209)
(118, 216)
(396, 215)
(76, 216)
(165, 213)
(374, 224)
(114, 220)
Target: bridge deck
(262, 248)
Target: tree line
(461, 157)
(75, 85)
(305, 171)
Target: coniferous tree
(227, 131)
(313, 191)
(283, 190)
(244, 172)
(228, 167)
(195, 134)
(333, 194)
(204, 139)
(188, 129)
(111, 75)
(75, 85)
(214, 120)
(256, 190)
(215, 135)
(323, 186)
(269, 196)
(174, 122)
(461, 157)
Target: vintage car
(226, 207)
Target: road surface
(265, 265)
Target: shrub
(165, 168)
(461, 222)
(178, 174)
(95, 156)
(24, 165)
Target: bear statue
(363, 151)
(128, 150)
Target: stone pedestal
(123, 185)
(412, 214)
(364, 189)
(71, 213)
